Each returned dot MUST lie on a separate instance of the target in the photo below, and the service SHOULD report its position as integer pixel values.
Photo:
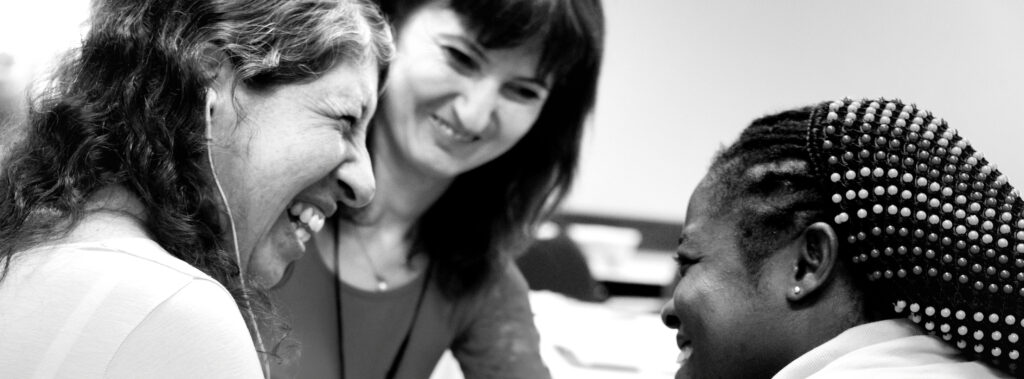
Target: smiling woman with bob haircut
(476, 140)
(155, 190)
(851, 239)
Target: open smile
(685, 348)
(306, 220)
(452, 130)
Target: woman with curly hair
(180, 159)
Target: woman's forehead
(703, 217)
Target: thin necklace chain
(382, 283)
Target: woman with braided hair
(854, 238)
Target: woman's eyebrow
(354, 101)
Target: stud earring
(797, 290)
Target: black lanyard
(393, 370)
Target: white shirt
(118, 308)
(885, 349)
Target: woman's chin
(283, 277)
(275, 253)
(268, 277)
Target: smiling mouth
(452, 131)
(685, 350)
(306, 220)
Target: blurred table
(645, 267)
(622, 338)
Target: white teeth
(450, 131)
(684, 354)
(310, 220)
(316, 223)
(302, 235)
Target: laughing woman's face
(726, 320)
(285, 157)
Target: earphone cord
(234, 240)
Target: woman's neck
(110, 211)
(404, 193)
(373, 244)
(116, 198)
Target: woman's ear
(218, 108)
(220, 75)
(816, 261)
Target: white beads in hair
(935, 221)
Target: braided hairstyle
(766, 177)
(928, 228)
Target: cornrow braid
(766, 177)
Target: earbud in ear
(211, 98)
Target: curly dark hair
(126, 109)
(490, 210)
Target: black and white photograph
(511, 189)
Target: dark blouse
(491, 333)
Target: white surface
(648, 267)
(620, 339)
(36, 32)
(682, 77)
(605, 246)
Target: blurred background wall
(32, 34)
(682, 77)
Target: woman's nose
(668, 315)
(476, 108)
(355, 176)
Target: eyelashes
(469, 64)
(524, 93)
(460, 60)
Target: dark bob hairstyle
(492, 208)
